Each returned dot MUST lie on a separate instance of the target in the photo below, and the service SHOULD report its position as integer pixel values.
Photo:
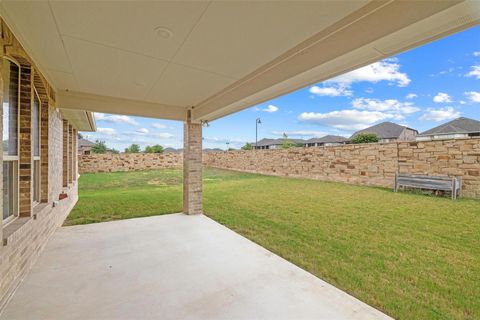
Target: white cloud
(330, 91)
(390, 105)
(386, 70)
(476, 54)
(107, 131)
(114, 118)
(442, 97)
(440, 114)
(143, 131)
(346, 119)
(475, 72)
(411, 96)
(159, 125)
(270, 108)
(473, 96)
(301, 133)
(162, 135)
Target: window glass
(10, 107)
(36, 181)
(8, 189)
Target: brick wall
(24, 238)
(128, 162)
(25, 138)
(371, 164)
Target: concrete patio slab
(172, 267)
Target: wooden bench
(437, 183)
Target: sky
(420, 88)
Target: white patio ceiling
(159, 59)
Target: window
(36, 149)
(11, 78)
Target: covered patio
(172, 267)
(196, 62)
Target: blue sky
(421, 88)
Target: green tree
(134, 148)
(154, 149)
(247, 146)
(99, 147)
(114, 151)
(286, 144)
(365, 138)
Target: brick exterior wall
(25, 137)
(70, 154)
(24, 237)
(44, 129)
(65, 152)
(128, 162)
(370, 164)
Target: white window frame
(14, 159)
(36, 184)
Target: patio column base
(192, 168)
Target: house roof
(460, 125)
(384, 130)
(328, 139)
(85, 143)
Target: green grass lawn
(411, 256)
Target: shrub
(247, 146)
(154, 149)
(134, 148)
(99, 147)
(365, 138)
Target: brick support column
(70, 154)
(44, 115)
(74, 152)
(25, 139)
(65, 153)
(192, 168)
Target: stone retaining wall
(365, 164)
(368, 164)
(128, 162)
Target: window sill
(13, 227)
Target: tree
(154, 149)
(99, 147)
(365, 138)
(80, 136)
(134, 148)
(286, 144)
(247, 146)
(114, 151)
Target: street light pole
(257, 122)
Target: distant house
(390, 132)
(326, 141)
(172, 150)
(85, 146)
(456, 129)
(275, 143)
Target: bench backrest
(428, 182)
